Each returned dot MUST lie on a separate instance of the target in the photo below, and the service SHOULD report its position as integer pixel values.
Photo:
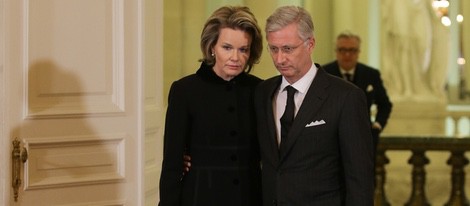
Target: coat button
(233, 158)
(233, 133)
(229, 87)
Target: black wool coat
(369, 80)
(213, 121)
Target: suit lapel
(336, 71)
(314, 99)
(359, 77)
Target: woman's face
(231, 53)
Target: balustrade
(418, 145)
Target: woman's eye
(226, 47)
(244, 50)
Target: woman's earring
(212, 54)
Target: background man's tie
(348, 77)
(288, 116)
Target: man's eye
(347, 50)
(274, 49)
(287, 49)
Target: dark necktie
(348, 76)
(288, 116)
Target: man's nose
(279, 57)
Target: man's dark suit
(368, 79)
(327, 158)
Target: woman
(210, 117)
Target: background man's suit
(327, 158)
(368, 79)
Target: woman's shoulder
(252, 79)
(186, 82)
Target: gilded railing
(418, 146)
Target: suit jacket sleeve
(384, 105)
(356, 150)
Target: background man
(346, 65)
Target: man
(326, 156)
(348, 47)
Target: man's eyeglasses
(344, 50)
(284, 49)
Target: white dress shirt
(279, 101)
(344, 72)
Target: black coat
(213, 121)
(368, 79)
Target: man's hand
(186, 163)
(377, 126)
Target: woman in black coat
(210, 117)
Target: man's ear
(311, 43)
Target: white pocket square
(315, 123)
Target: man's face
(347, 52)
(290, 53)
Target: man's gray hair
(286, 15)
(348, 35)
